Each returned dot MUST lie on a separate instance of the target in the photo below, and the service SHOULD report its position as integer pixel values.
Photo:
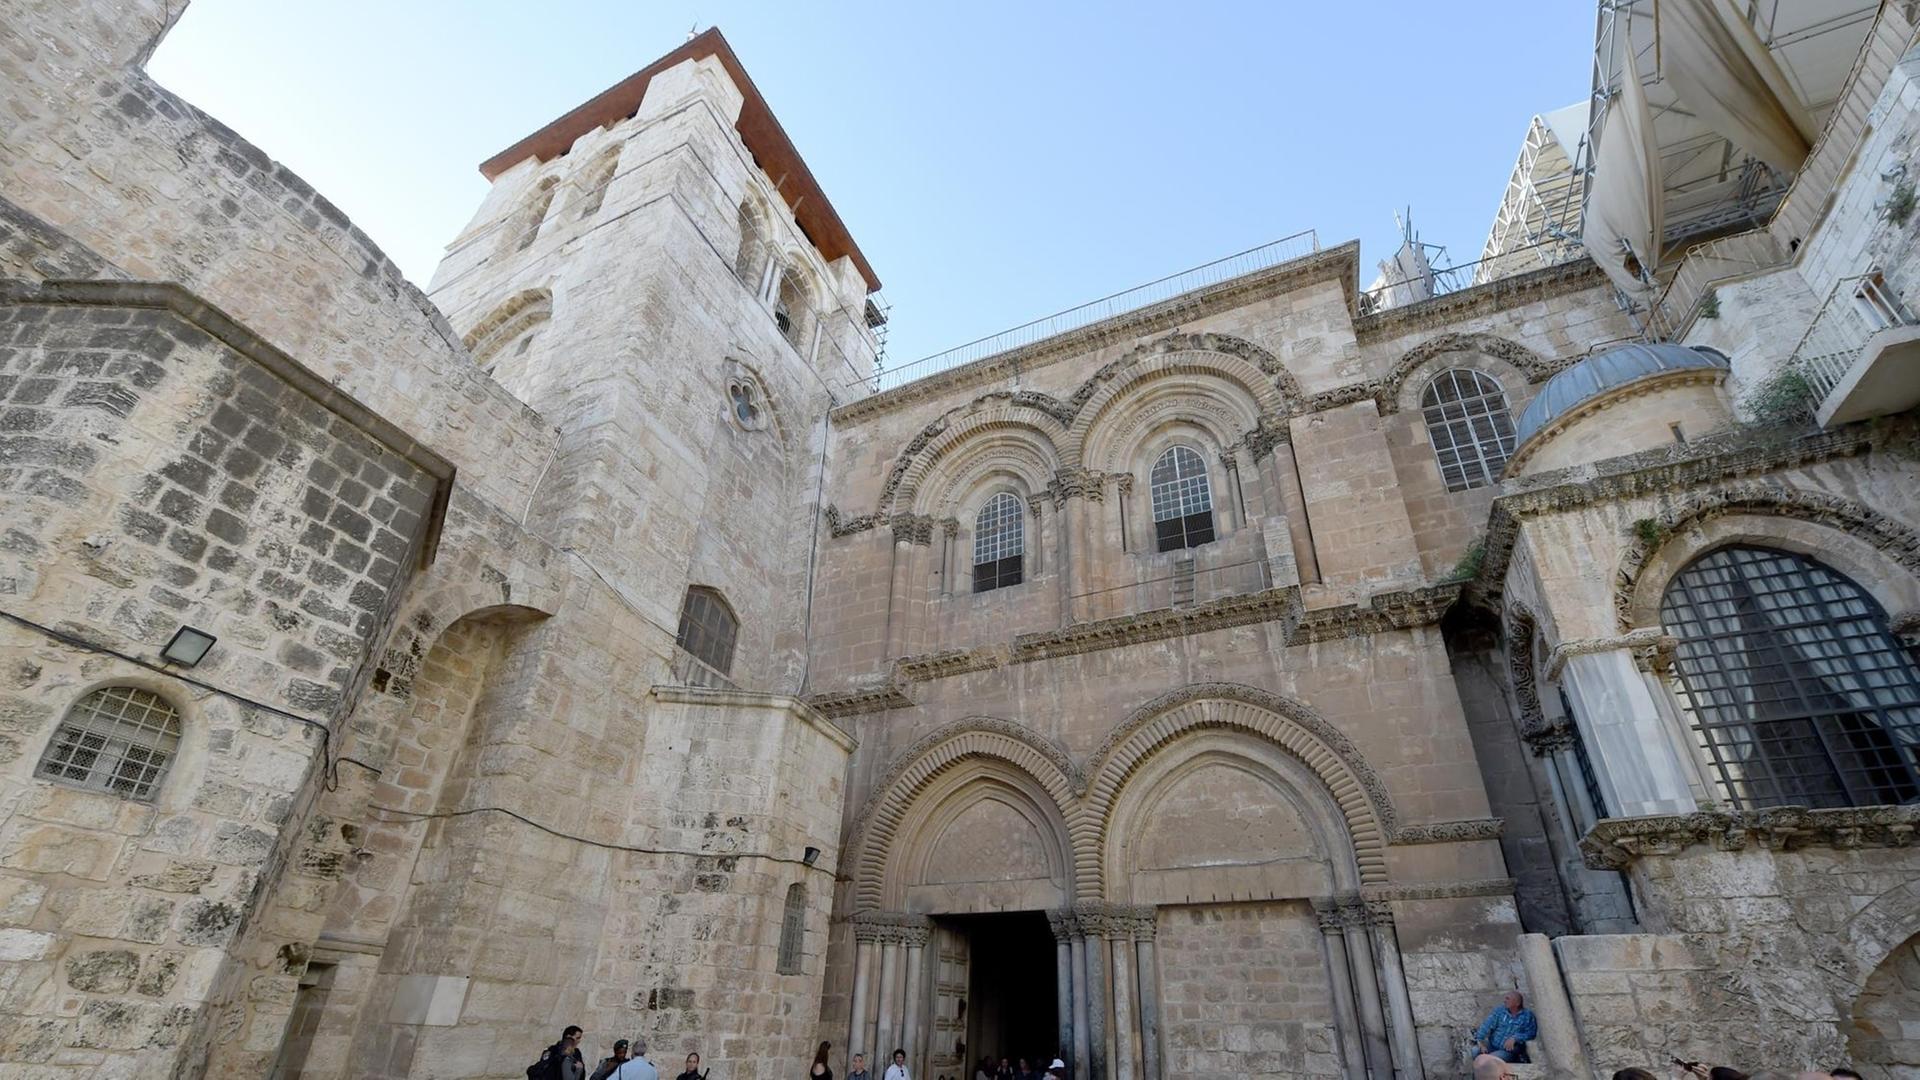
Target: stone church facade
(1254, 683)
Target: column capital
(891, 927)
(1116, 922)
(1350, 911)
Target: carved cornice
(1613, 844)
(1520, 670)
(870, 699)
(1351, 911)
(1384, 612)
(1707, 465)
(1439, 890)
(1647, 641)
(1450, 832)
(915, 529)
(1339, 264)
(1548, 735)
(840, 526)
(1906, 626)
(1497, 295)
(1269, 432)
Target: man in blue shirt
(1508, 1029)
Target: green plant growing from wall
(1649, 531)
(1900, 201)
(1470, 560)
(1784, 396)
(1710, 304)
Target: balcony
(1861, 354)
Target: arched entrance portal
(1217, 831)
(1878, 1043)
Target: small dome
(1606, 371)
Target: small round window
(744, 399)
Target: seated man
(1508, 1029)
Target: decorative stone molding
(1439, 890)
(1892, 538)
(915, 529)
(1520, 626)
(1114, 922)
(1450, 832)
(856, 702)
(1158, 624)
(1905, 625)
(1270, 432)
(1061, 922)
(1350, 911)
(1500, 294)
(891, 927)
(1550, 736)
(1357, 790)
(943, 665)
(1385, 390)
(1400, 609)
(839, 526)
(1647, 641)
(1336, 264)
(879, 820)
(514, 316)
(1225, 344)
(1613, 844)
(1700, 467)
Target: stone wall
(1243, 991)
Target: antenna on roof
(693, 31)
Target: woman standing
(821, 1070)
(693, 1069)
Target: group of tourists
(1018, 1069)
(564, 1061)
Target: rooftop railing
(1441, 280)
(1856, 309)
(1285, 249)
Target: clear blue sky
(996, 162)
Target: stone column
(1346, 1024)
(1076, 542)
(915, 940)
(884, 1033)
(1626, 738)
(901, 581)
(1124, 1030)
(1082, 1047)
(1366, 989)
(1286, 471)
(1560, 1049)
(1144, 961)
(1093, 924)
(1400, 1031)
(1061, 924)
(865, 937)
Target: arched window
(708, 628)
(528, 223)
(1799, 692)
(999, 543)
(753, 242)
(1469, 426)
(1182, 500)
(593, 183)
(790, 308)
(793, 929)
(118, 739)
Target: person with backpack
(562, 1060)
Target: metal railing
(1441, 280)
(1285, 249)
(1856, 309)
(1708, 262)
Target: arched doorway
(1879, 1040)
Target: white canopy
(1624, 199)
(1722, 71)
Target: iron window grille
(999, 543)
(118, 739)
(1797, 689)
(708, 629)
(1589, 779)
(1469, 426)
(793, 929)
(1182, 500)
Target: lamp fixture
(187, 647)
(812, 856)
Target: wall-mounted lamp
(812, 856)
(188, 646)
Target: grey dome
(1605, 371)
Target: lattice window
(999, 543)
(790, 307)
(708, 628)
(793, 929)
(1182, 500)
(1469, 426)
(1798, 691)
(118, 740)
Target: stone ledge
(1615, 843)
